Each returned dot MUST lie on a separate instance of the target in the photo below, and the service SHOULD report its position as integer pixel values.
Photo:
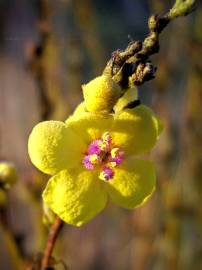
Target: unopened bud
(144, 72)
(8, 174)
(101, 94)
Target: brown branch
(134, 61)
(133, 66)
(53, 234)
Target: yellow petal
(129, 96)
(75, 196)
(135, 130)
(53, 146)
(90, 126)
(133, 183)
(159, 125)
(80, 108)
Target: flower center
(103, 154)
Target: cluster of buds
(132, 66)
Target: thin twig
(53, 234)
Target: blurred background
(47, 50)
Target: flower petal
(135, 130)
(53, 146)
(133, 183)
(90, 126)
(159, 125)
(129, 96)
(80, 108)
(75, 196)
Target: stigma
(104, 156)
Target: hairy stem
(53, 234)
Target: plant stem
(53, 234)
(133, 66)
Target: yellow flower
(92, 158)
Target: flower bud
(101, 94)
(8, 174)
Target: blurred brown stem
(53, 234)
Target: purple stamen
(107, 137)
(106, 174)
(118, 160)
(87, 163)
(103, 154)
(94, 147)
